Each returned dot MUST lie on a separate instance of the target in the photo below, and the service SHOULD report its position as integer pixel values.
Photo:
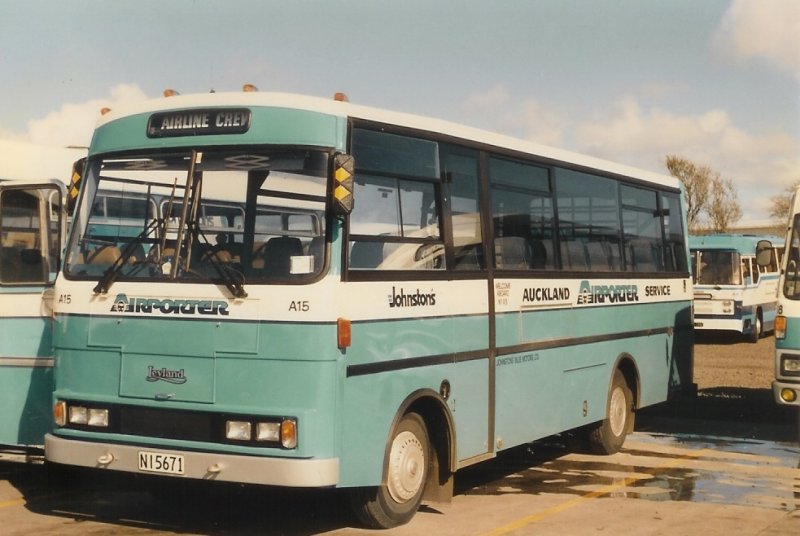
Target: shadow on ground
(724, 411)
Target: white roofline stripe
(346, 109)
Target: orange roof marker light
(249, 88)
(104, 110)
(341, 97)
(169, 92)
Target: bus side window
(522, 212)
(23, 247)
(460, 170)
(398, 182)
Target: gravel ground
(726, 361)
(734, 394)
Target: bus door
(31, 235)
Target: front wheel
(608, 436)
(758, 329)
(406, 468)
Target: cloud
(490, 100)
(768, 30)
(73, 123)
(497, 110)
(760, 165)
(629, 133)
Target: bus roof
(743, 243)
(346, 109)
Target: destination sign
(198, 122)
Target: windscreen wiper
(232, 279)
(111, 274)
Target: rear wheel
(406, 468)
(608, 436)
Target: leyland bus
(732, 292)
(403, 297)
(786, 386)
(32, 230)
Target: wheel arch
(626, 364)
(438, 419)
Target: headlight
(283, 432)
(65, 413)
(78, 415)
(98, 417)
(790, 365)
(238, 430)
(268, 431)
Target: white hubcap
(406, 467)
(617, 412)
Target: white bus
(732, 292)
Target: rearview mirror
(764, 253)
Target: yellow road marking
(605, 490)
(25, 500)
(13, 502)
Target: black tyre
(758, 329)
(406, 469)
(608, 436)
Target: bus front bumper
(786, 393)
(719, 324)
(288, 472)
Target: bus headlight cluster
(790, 365)
(727, 307)
(64, 414)
(283, 432)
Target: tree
(781, 203)
(723, 208)
(696, 182)
(707, 194)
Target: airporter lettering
(588, 293)
(167, 306)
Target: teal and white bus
(32, 231)
(32, 227)
(402, 297)
(731, 291)
(786, 386)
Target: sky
(713, 81)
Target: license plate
(158, 462)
